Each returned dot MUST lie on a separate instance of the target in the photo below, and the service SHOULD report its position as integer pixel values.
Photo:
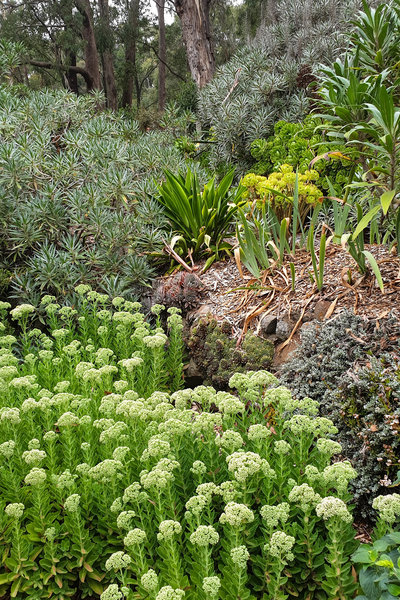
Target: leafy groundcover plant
(111, 485)
(379, 563)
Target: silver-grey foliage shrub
(267, 80)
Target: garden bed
(243, 301)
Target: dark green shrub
(342, 364)
(366, 409)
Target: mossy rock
(217, 356)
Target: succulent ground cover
(117, 482)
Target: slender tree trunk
(107, 57)
(72, 76)
(162, 51)
(130, 71)
(91, 57)
(195, 22)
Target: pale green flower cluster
(328, 447)
(160, 476)
(388, 507)
(149, 580)
(135, 537)
(132, 492)
(36, 476)
(71, 504)
(33, 444)
(211, 586)
(64, 480)
(281, 447)
(109, 404)
(124, 519)
(228, 404)
(116, 431)
(196, 504)
(11, 415)
(258, 432)
(169, 593)
(229, 491)
(7, 448)
(208, 489)
(118, 561)
(240, 555)
(198, 468)
(120, 453)
(204, 535)
(230, 440)
(111, 593)
(281, 397)
(246, 464)
(15, 510)
(68, 419)
(331, 507)
(280, 546)
(168, 529)
(236, 514)
(304, 496)
(339, 475)
(21, 311)
(33, 457)
(157, 447)
(206, 421)
(117, 505)
(275, 514)
(130, 364)
(50, 534)
(155, 341)
(106, 471)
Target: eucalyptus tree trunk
(162, 51)
(130, 81)
(70, 75)
(91, 58)
(107, 57)
(196, 33)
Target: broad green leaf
(394, 589)
(386, 200)
(375, 268)
(364, 222)
(361, 555)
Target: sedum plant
(117, 483)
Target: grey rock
(268, 324)
(283, 329)
(320, 309)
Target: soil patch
(243, 301)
